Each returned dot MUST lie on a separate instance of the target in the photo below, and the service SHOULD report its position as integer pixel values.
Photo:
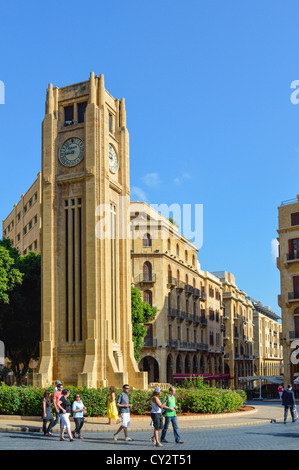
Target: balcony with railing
(180, 285)
(172, 281)
(150, 342)
(202, 295)
(177, 343)
(293, 335)
(292, 257)
(293, 297)
(188, 289)
(177, 313)
(145, 278)
(196, 292)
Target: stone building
(288, 299)
(23, 224)
(80, 202)
(266, 333)
(238, 330)
(186, 336)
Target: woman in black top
(64, 406)
(47, 414)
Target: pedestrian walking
(47, 414)
(56, 397)
(289, 403)
(124, 407)
(78, 410)
(156, 415)
(171, 417)
(112, 411)
(57, 383)
(280, 390)
(65, 407)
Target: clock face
(113, 160)
(71, 152)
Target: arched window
(186, 256)
(168, 244)
(193, 260)
(177, 250)
(148, 297)
(147, 240)
(147, 271)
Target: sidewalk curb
(186, 423)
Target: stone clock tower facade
(85, 245)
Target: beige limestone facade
(186, 335)
(79, 205)
(23, 225)
(238, 330)
(268, 352)
(288, 299)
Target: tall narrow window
(294, 248)
(73, 270)
(68, 115)
(147, 271)
(80, 269)
(147, 240)
(296, 286)
(66, 274)
(147, 297)
(110, 122)
(296, 323)
(113, 271)
(81, 107)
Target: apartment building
(268, 352)
(23, 225)
(288, 299)
(187, 334)
(238, 329)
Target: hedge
(27, 401)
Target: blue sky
(207, 89)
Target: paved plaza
(253, 431)
(262, 437)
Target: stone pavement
(263, 412)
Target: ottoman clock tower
(86, 294)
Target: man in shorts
(124, 407)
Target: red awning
(182, 377)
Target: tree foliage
(142, 313)
(20, 317)
(10, 276)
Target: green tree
(20, 319)
(10, 276)
(142, 313)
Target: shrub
(27, 401)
